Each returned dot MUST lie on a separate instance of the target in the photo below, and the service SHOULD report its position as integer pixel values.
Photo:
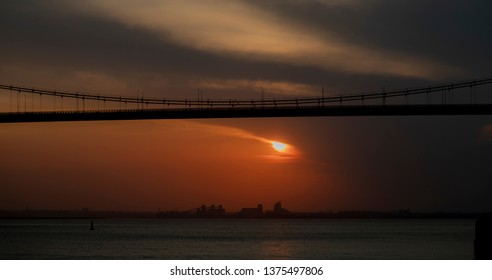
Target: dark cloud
(42, 36)
(456, 33)
(46, 35)
(44, 32)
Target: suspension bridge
(472, 97)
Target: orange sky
(331, 164)
(146, 165)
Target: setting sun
(279, 146)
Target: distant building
(278, 211)
(211, 211)
(252, 212)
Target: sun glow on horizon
(279, 146)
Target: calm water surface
(237, 239)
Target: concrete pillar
(483, 239)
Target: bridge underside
(259, 112)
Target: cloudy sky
(233, 49)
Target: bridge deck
(258, 112)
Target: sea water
(237, 239)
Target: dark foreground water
(237, 239)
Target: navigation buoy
(92, 225)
